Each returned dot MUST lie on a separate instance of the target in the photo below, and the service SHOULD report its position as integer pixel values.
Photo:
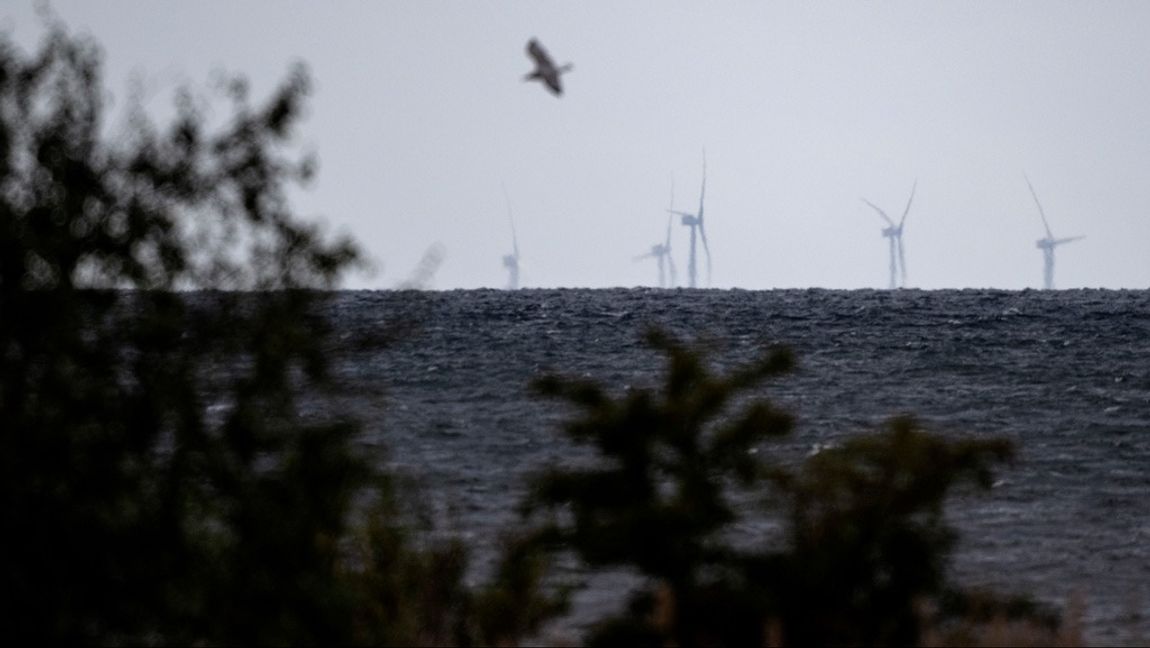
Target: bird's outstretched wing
(538, 54)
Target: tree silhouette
(868, 542)
(659, 496)
(865, 555)
(161, 478)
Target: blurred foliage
(869, 544)
(866, 547)
(658, 498)
(162, 479)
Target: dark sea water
(1065, 375)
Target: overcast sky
(420, 114)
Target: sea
(440, 381)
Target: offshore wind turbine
(894, 234)
(662, 251)
(511, 261)
(1047, 244)
(695, 222)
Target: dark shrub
(866, 547)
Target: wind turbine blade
(642, 256)
(1041, 213)
(703, 191)
(907, 210)
(680, 213)
(667, 244)
(1067, 240)
(879, 210)
(511, 219)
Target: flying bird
(545, 70)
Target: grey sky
(419, 114)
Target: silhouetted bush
(657, 499)
(866, 547)
(868, 544)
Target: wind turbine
(511, 261)
(894, 234)
(1047, 244)
(695, 222)
(545, 70)
(662, 251)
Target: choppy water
(1064, 374)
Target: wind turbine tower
(695, 222)
(1047, 244)
(894, 234)
(662, 251)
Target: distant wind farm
(662, 252)
(549, 74)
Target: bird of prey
(545, 70)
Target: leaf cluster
(163, 478)
(657, 498)
(868, 540)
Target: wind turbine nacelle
(690, 220)
(509, 261)
(1044, 244)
